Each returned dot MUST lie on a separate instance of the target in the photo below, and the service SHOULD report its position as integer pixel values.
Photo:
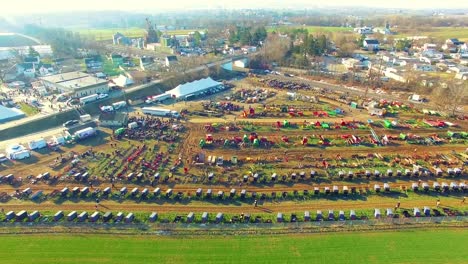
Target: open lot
(311, 29)
(420, 246)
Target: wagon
(36, 195)
(415, 172)
(450, 172)
(319, 216)
(376, 188)
(256, 177)
(106, 191)
(75, 190)
(190, 217)
(293, 218)
(119, 216)
(305, 192)
(64, 191)
(454, 186)
(27, 191)
(232, 193)
(457, 171)
(84, 191)
(416, 212)
(306, 216)
(341, 174)
(156, 191)
(33, 216)
(445, 187)
(94, 217)
(386, 187)
(414, 186)
(389, 173)
(407, 172)
(331, 215)
(438, 172)
(77, 176)
(130, 176)
(209, 192)
(462, 186)
(313, 173)
(156, 176)
(198, 193)
(204, 217)
(254, 195)
(153, 217)
(427, 211)
(46, 175)
(436, 186)
(367, 173)
(345, 190)
(144, 193)
(377, 213)
(140, 176)
(168, 193)
(134, 192)
(293, 176)
(84, 176)
(72, 215)
(352, 215)
(219, 218)
(350, 174)
(243, 193)
(377, 173)
(83, 216)
(210, 176)
(123, 191)
(279, 218)
(58, 216)
(302, 174)
(273, 177)
(335, 189)
(10, 215)
(220, 194)
(398, 173)
(327, 190)
(353, 190)
(129, 218)
(389, 212)
(341, 216)
(107, 216)
(316, 190)
(245, 178)
(425, 186)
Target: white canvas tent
(194, 88)
(123, 81)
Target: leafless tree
(453, 96)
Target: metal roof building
(8, 114)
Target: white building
(75, 84)
(198, 87)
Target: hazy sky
(40, 6)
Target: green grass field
(442, 33)
(106, 34)
(311, 29)
(28, 109)
(421, 246)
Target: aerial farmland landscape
(254, 133)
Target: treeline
(247, 35)
(63, 42)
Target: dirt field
(170, 148)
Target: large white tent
(123, 81)
(194, 88)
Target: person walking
(438, 203)
(255, 203)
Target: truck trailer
(37, 144)
(118, 105)
(160, 112)
(84, 133)
(89, 98)
(158, 98)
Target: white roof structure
(194, 87)
(123, 81)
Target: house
(423, 67)
(32, 59)
(93, 63)
(452, 45)
(352, 63)
(429, 47)
(395, 74)
(171, 60)
(27, 69)
(364, 30)
(371, 44)
(75, 84)
(113, 119)
(46, 69)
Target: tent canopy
(194, 87)
(123, 81)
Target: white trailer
(160, 112)
(19, 155)
(85, 118)
(89, 98)
(59, 140)
(118, 105)
(158, 98)
(37, 144)
(84, 133)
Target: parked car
(70, 123)
(102, 96)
